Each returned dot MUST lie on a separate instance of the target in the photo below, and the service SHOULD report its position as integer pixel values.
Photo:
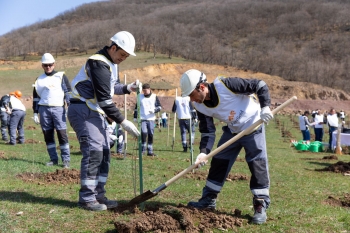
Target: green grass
(297, 191)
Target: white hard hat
(126, 41)
(191, 80)
(47, 58)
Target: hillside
(310, 96)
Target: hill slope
(310, 96)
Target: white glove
(266, 114)
(130, 127)
(195, 121)
(135, 119)
(8, 111)
(133, 86)
(120, 139)
(151, 111)
(199, 160)
(36, 118)
(113, 137)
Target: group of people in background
(319, 119)
(13, 113)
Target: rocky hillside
(165, 78)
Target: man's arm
(66, 87)
(36, 99)
(100, 75)
(157, 105)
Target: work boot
(151, 154)
(51, 163)
(185, 149)
(93, 206)
(109, 203)
(204, 203)
(65, 164)
(259, 211)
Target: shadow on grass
(29, 198)
(26, 160)
(320, 163)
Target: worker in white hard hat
(50, 97)
(91, 101)
(239, 103)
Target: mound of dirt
(178, 219)
(339, 201)
(60, 176)
(339, 167)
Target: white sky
(15, 14)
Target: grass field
(298, 192)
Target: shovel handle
(229, 142)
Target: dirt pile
(178, 219)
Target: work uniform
(91, 101)
(333, 125)
(186, 115)
(234, 101)
(148, 103)
(164, 119)
(319, 127)
(49, 96)
(5, 117)
(18, 113)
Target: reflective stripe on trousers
(16, 124)
(93, 137)
(147, 131)
(52, 118)
(256, 156)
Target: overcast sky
(19, 13)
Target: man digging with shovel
(239, 103)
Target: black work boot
(185, 149)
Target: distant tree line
(299, 40)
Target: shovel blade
(142, 197)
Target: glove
(130, 127)
(199, 160)
(120, 139)
(266, 114)
(113, 137)
(151, 111)
(8, 111)
(135, 119)
(195, 121)
(36, 118)
(133, 86)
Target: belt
(76, 101)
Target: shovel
(149, 194)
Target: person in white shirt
(332, 120)
(164, 119)
(319, 121)
(149, 106)
(17, 115)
